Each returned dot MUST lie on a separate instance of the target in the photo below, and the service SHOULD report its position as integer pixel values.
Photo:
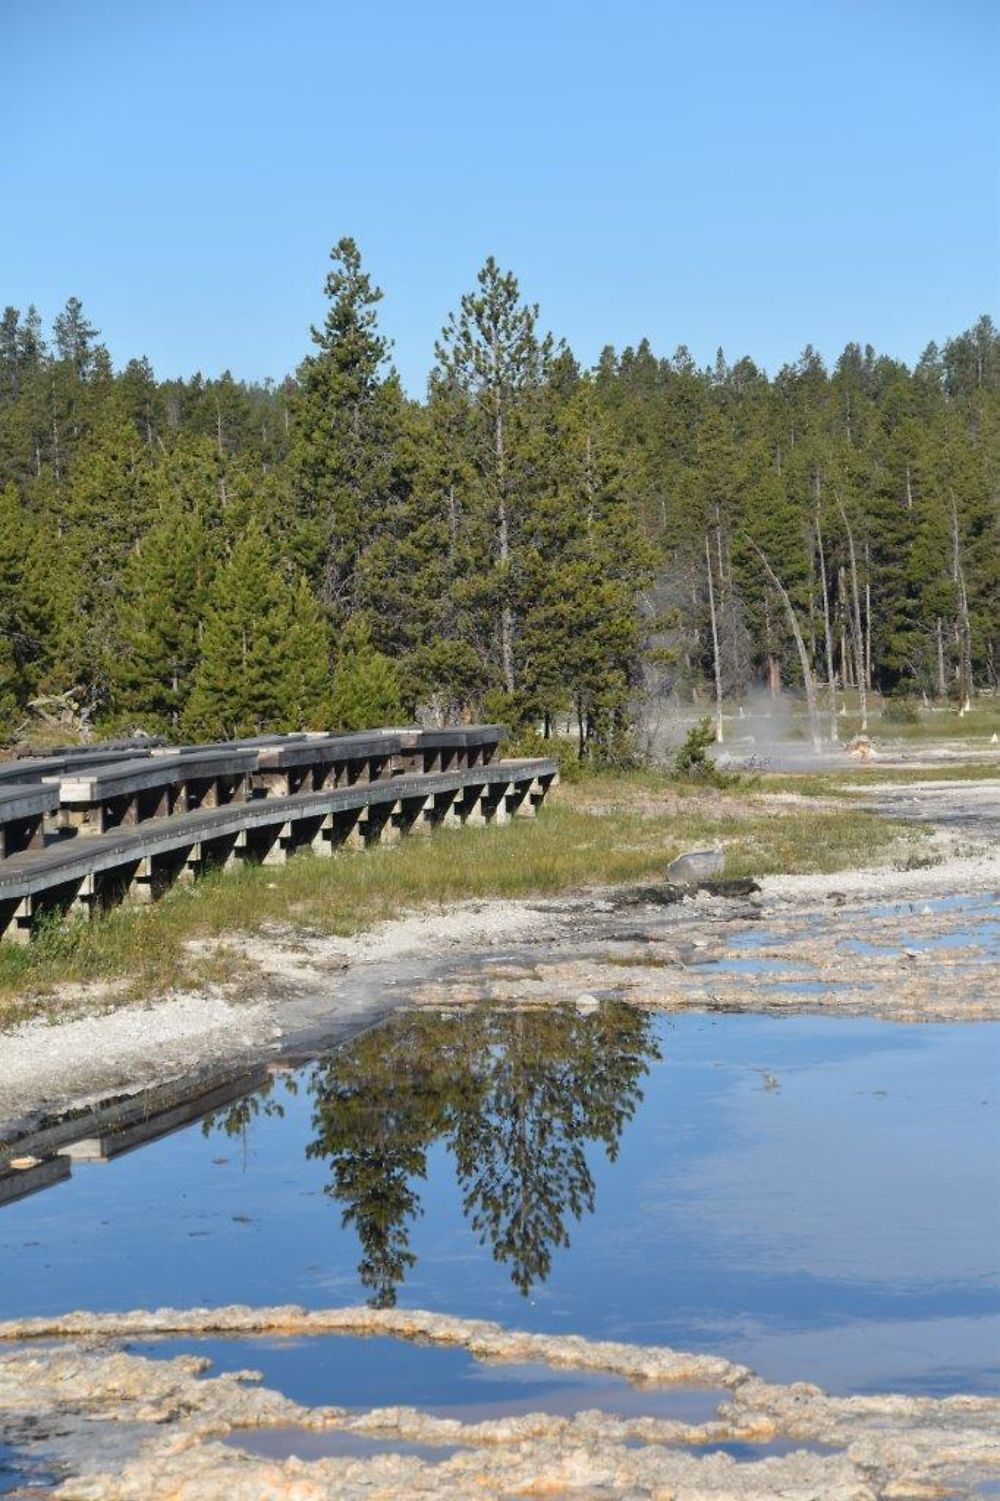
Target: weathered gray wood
(23, 810)
(27, 801)
(127, 778)
(132, 792)
(27, 770)
(147, 855)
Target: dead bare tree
(809, 682)
(868, 618)
(856, 631)
(831, 680)
(963, 629)
(717, 665)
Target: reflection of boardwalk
(45, 1156)
(85, 836)
(30, 1176)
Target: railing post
(18, 929)
(190, 867)
(424, 821)
(473, 811)
(322, 841)
(85, 896)
(140, 887)
(356, 837)
(498, 811)
(519, 799)
(277, 852)
(389, 831)
(450, 816)
(237, 853)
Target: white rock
(695, 865)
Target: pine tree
(157, 633)
(106, 505)
(24, 622)
(366, 690)
(251, 676)
(74, 338)
(341, 456)
(585, 564)
(413, 577)
(307, 676)
(490, 352)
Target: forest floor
(877, 896)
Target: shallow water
(814, 1196)
(361, 1373)
(305, 1443)
(21, 1471)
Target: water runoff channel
(814, 1197)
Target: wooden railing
(79, 836)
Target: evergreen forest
(534, 542)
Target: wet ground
(909, 959)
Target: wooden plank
(100, 783)
(27, 802)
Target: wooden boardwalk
(78, 836)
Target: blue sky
(757, 175)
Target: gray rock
(696, 865)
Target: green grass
(606, 831)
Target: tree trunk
(503, 551)
(964, 631)
(808, 680)
(859, 645)
(773, 665)
(715, 643)
(942, 681)
(845, 674)
(868, 619)
(831, 680)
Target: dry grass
(835, 784)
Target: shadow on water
(516, 1097)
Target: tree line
(532, 541)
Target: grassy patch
(838, 783)
(604, 831)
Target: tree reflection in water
(516, 1096)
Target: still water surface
(816, 1197)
